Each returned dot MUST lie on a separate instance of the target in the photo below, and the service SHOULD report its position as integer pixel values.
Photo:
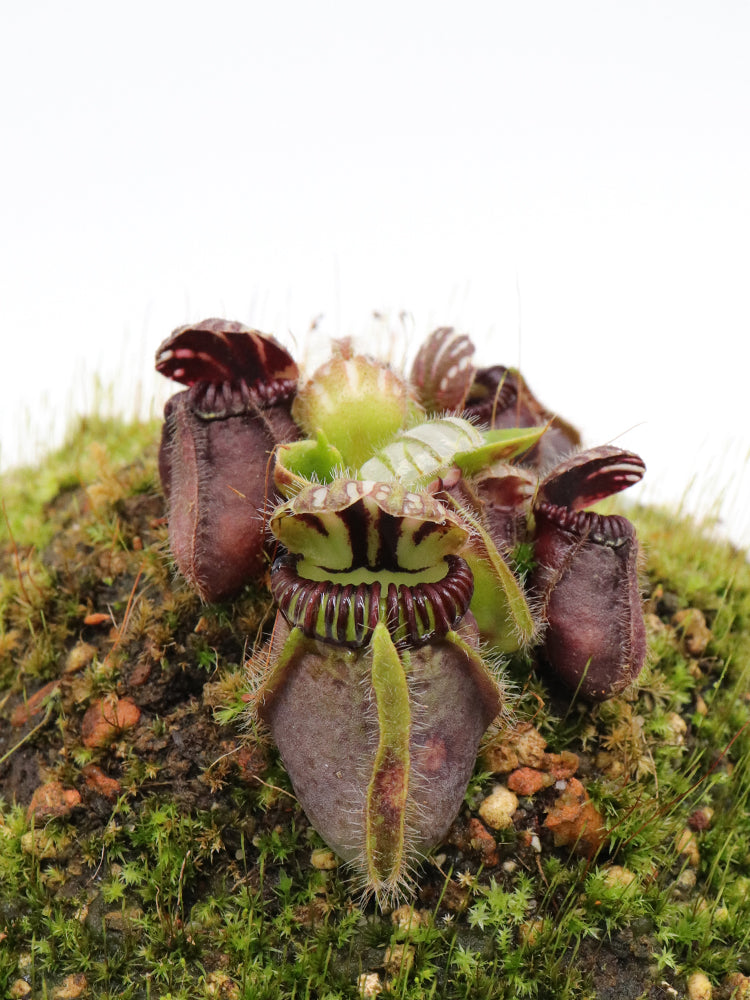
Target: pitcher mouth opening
(345, 613)
(611, 530)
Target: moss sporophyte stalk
(402, 506)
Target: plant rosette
(405, 507)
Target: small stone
(71, 987)
(669, 990)
(100, 783)
(498, 808)
(738, 986)
(677, 727)
(618, 877)
(499, 758)
(20, 988)
(529, 745)
(560, 765)
(399, 959)
(691, 625)
(483, 842)
(106, 719)
(687, 845)
(33, 705)
(79, 657)
(369, 984)
(575, 821)
(324, 859)
(699, 987)
(406, 918)
(527, 781)
(52, 799)
(684, 884)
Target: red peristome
(219, 350)
(345, 614)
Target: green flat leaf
(500, 446)
(302, 462)
(388, 789)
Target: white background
(568, 182)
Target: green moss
(94, 446)
(191, 874)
